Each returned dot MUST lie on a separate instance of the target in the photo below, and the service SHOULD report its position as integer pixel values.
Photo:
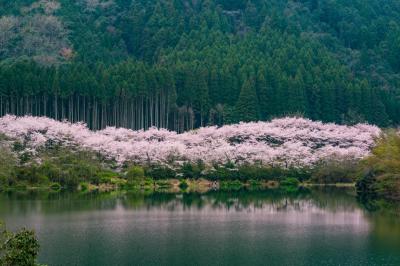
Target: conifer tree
(264, 96)
(247, 108)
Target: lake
(325, 226)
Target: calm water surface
(318, 227)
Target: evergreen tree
(264, 96)
(247, 108)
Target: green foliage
(255, 172)
(30, 174)
(84, 186)
(289, 184)
(331, 172)
(60, 167)
(148, 182)
(231, 185)
(163, 184)
(380, 173)
(255, 184)
(7, 166)
(135, 173)
(247, 172)
(55, 186)
(106, 176)
(69, 168)
(189, 170)
(159, 172)
(289, 181)
(223, 173)
(18, 249)
(247, 108)
(183, 185)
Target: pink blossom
(290, 141)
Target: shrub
(31, 174)
(290, 184)
(55, 186)
(247, 172)
(223, 173)
(255, 184)
(106, 176)
(160, 172)
(50, 170)
(117, 181)
(19, 248)
(335, 172)
(7, 166)
(135, 173)
(231, 185)
(149, 182)
(379, 176)
(189, 170)
(163, 184)
(183, 185)
(84, 186)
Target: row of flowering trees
(286, 142)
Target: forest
(181, 64)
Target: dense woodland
(182, 64)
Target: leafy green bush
(335, 172)
(135, 173)
(55, 186)
(290, 184)
(183, 185)
(191, 171)
(160, 172)
(7, 166)
(84, 186)
(254, 172)
(231, 185)
(69, 167)
(19, 248)
(255, 184)
(106, 176)
(223, 173)
(379, 176)
(290, 181)
(163, 184)
(50, 170)
(247, 172)
(148, 182)
(31, 174)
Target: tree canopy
(183, 64)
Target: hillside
(184, 64)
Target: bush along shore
(284, 153)
(18, 248)
(378, 181)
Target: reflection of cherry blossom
(294, 142)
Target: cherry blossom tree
(285, 142)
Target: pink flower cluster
(286, 142)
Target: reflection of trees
(56, 202)
(274, 200)
(386, 227)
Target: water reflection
(328, 199)
(217, 228)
